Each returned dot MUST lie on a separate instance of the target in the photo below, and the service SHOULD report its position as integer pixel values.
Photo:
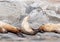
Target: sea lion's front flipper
(41, 31)
(20, 35)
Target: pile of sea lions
(27, 29)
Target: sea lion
(26, 29)
(2, 30)
(50, 27)
(5, 28)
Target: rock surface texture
(40, 12)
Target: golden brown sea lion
(50, 27)
(2, 30)
(5, 27)
(26, 29)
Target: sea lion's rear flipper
(57, 31)
(20, 35)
